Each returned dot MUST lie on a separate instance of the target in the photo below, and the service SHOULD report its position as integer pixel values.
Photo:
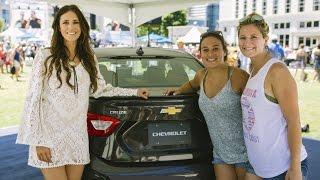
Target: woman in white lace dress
(54, 116)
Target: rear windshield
(168, 72)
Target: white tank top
(265, 128)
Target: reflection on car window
(148, 72)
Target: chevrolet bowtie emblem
(170, 110)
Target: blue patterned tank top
(223, 116)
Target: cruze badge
(170, 110)
(118, 112)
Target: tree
(178, 18)
(1, 24)
(152, 26)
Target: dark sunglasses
(251, 18)
(209, 33)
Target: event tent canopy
(193, 36)
(132, 12)
(123, 10)
(12, 31)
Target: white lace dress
(59, 120)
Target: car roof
(130, 51)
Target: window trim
(316, 5)
(275, 6)
(301, 5)
(288, 6)
(264, 7)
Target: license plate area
(169, 133)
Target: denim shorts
(304, 170)
(217, 160)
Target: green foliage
(1, 24)
(151, 28)
(178, 18)
(142, 30)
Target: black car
(161, 136)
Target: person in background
(301, 58)
(34, 22)
(2, 58)
(53, 122)
(276, 49)
(181, 46)
(316, 57)
(287, 51)
(271, 121)
(17, 63)
(220, 89)
(22, 22)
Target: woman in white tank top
(271, 121)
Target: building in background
(5, 11)
(292, 22)
(197, 15)
(204, 16)
(212, 16)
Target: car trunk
(160, 129)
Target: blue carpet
(313, 149)
(13, 160)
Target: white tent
(193, 36)
(11, 31)
(132, 12)
(123, 10)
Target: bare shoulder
(239, 79)
(240, 74)
(278, 71)
(279, 76)
(200, 73)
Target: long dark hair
(59, 52)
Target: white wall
(228, 21)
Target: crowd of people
(296, 59)
(248, 98)
(13, 58)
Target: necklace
(75, 79)
(72, 63)
(251, 72)
(265, 58)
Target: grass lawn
(12, 95)
(309, 103)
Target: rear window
(148, 72)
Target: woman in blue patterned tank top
(220, 89)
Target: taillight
(101, 125)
